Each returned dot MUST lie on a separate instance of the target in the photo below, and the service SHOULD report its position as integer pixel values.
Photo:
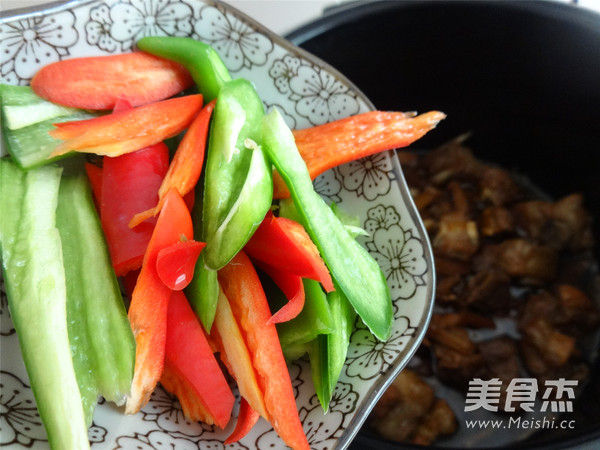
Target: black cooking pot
(522, 77)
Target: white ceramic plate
(309, 92)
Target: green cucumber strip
(22, 107)
(28, 142)
(102, 343)
(31, 146)
(35, 280)
(12, 189)
(351, 266)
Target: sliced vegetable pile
(213, 270)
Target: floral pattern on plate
(308, 92)
(19, 420)
(31, 43)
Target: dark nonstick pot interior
(522, 77)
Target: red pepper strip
(150, 300)
(186, 165)
(93, 171)
(94, 174)
(244, 291)
(175, 383)
(329, 145)
(292, 287)
(228, 338)
(98, 82)
(129, 184)
(247, 418)
(132, 182)
(175, 264)
(122, 104)
(126, 131)
(190, 199)
(188, 353)
(285, 244)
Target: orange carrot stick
(326, 146)
(186, 166)
(129, 130)
(150, 300)
(98, 82)
(228, 338)
(242, 287)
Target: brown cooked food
(409, 412)
(501, 253)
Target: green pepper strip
(203, 293)
(204, 64)
(238, 182)
(238, 187)
(101, 339)
(35, 280)
(314, 319)
(328, 351)
(203, 290)
(351, 266)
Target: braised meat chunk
(409, 411)
(513, 297)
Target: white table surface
(279, 16)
